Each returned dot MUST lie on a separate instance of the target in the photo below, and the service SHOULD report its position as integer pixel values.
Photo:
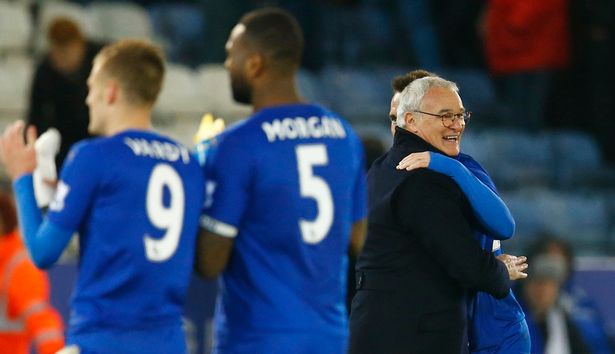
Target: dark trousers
(384, 322)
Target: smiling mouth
(452, 138)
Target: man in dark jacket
(59, 89)
(421, 258)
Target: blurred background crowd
(537, 75)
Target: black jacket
(419, 262)
(58, 100)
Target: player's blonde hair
(138, 66)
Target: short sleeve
(79, 178)
(228, 170)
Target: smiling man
(421, 261)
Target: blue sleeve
(228, 173)
(44, 240)
(488, 207)
(79, 179)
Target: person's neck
(130, 119)
(275, 92)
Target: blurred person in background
(27, 320)
(593, 72)
(59, 87)
(551, 329)
(579, 306)
(526, 41)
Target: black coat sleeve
(430, 206)
(41, 107)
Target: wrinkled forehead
(441, 99)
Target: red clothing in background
(527, 35)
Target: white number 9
(170, 218)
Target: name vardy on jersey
(303, 128)
(161, 150)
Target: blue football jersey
(135, 199)
(287, 184)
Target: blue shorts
(518, 342)
(130, 340)
(284, 343)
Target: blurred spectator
(526, 41)
(578, 305)
(59, 89)
(551, 329)
(26, 318)
(593, 30)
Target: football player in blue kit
(285, 199)
(135, 198)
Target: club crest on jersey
(57, 203)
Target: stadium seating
(355, 94)
(582, 219)
(15, 78)
(15, 28)
(215, 90)
(116, 20)
(180, 27)
(180, 92)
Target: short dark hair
(63, 31)
(138, 66)
(277, 34)
(400, 82)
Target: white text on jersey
(160, 150)
(302, 128)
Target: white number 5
(170, 218)
(312, 186)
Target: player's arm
(490, 210)
(227, 190)
(357, 236)
(358, 231)
(212, 253)
(44, 238)
(45, 241)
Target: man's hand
(17, 156)
(515, 265)
(414, 160)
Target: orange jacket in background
(26, 317)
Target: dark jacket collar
(408, 142)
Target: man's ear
(410, 120)
(112, 92)
(255, 65)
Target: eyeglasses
(448, 119)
